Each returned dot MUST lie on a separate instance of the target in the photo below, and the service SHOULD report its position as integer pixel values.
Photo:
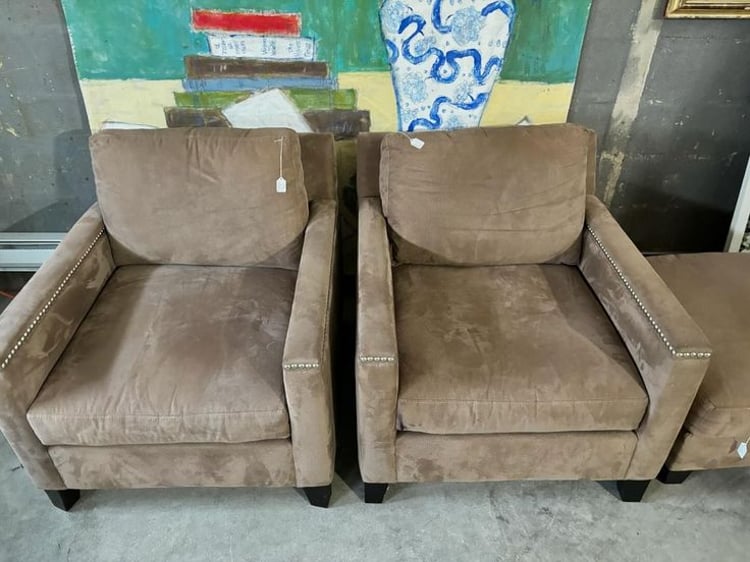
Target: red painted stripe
(245, 22)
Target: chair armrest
(307, 352)
(37, 326)
(377, 351)
(669, 349)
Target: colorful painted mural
(327, 65)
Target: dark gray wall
(605, 53)
(688, 146)
(676, 188)
(45, 170)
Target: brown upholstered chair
(507, 327)
(715, 290)
(179, 336)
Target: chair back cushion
(201, 196)
(486, 196)
(319, 162)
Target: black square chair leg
(632, 490)
(318, 496)
(667, 476)
(374, 493)
(63, 499)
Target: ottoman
(715, 290)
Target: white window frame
(741, 216)
(27, 251)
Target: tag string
(414, 141)
(281, 157)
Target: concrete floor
(706, 518)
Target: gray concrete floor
(706, 518)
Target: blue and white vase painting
(445, 57)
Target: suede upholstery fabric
(376, 349)
(510, 349)
(185, 357)
(319, 162)
(704, 452)
(671, 381)
(446, 316)
(486, 196)
(715, 290)
(200, 196)
(173, 354)
(307, 352)
(592, 164)
(265, 463)
(318, 152)
(600, 455)
(368, 164)
(24, 375)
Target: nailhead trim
(301, 366)
(376, 359)
(48, 304)
(644, 310)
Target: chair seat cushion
(715, 290)
(173, 354)
(509, 349)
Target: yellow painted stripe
(509, 103)
(131, 101)
(143, 101)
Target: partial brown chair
(715, 290)
(507, 327)
(179, 336)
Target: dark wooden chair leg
(374, 493)
(63, 499)
(667, 476)
(319, 496)
(632, 490)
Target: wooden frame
(729, 9)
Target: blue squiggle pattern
(452, 58)
(435, 120)
(456, 51)
(505, 7)
(390, 46)
(410, 56)
(437, 21)
(441, 57)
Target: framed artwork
(708, 9)
(738, 239)
(327, 65)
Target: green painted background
(148, 38)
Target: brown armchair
(179, 336)
(507, 327)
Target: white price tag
(417, 143)
(742, 450)
(281, 185)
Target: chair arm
(307, 352)
(668, 348)
(377, 351)
(37, 326)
